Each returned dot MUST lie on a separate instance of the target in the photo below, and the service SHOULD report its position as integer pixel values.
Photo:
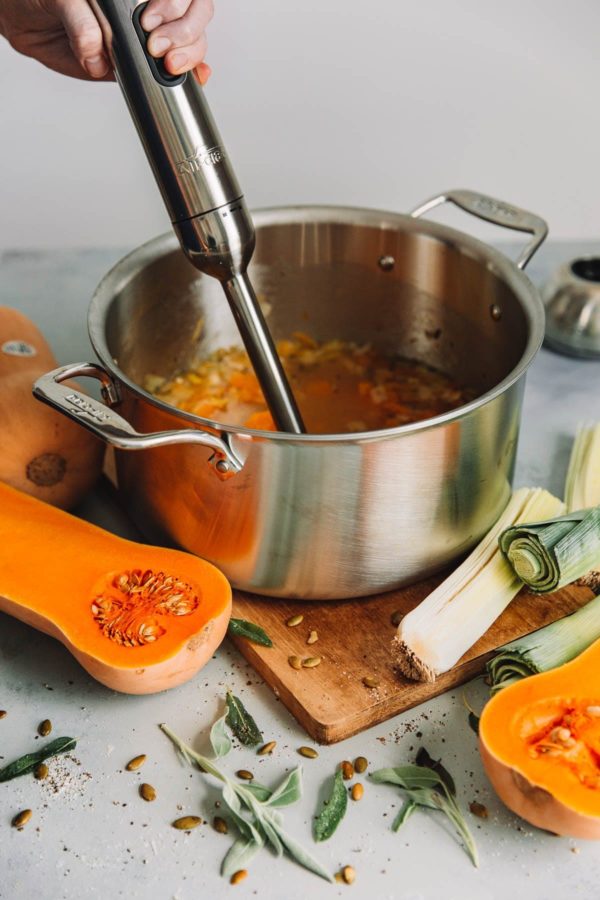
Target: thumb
(85, 36)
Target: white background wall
(377, 103)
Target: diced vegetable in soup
(339, 387)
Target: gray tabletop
(91, 835)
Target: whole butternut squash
(138, 618)
(41, 451)
(540, 745)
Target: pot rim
(129, 265)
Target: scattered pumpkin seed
(267, 748)
(371, 681)
(479, 810)
(347, 770)
(312, 638)
(147, 792)
(360, 764)
(238, 876)
(3, 713)
(311, 662)
(136, 763)
(309, 752)
(348, 874)
(396, 618)
(44, 728)
(244, 774)
(40, 771)
(357, 791)
(21, 818)
(220, 825)
(295, 662)
(294, 620)
(186, 823)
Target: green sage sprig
(424, 787)
(332, 814)
(241, 722)
(27, 763)
(249, 630)
(253, 808)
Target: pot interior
(412, 288)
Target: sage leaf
(427, 762)
(259, 791)
(408, 777)
(239, 856)
(301, 856)
(232, 800)
(407, 809)
(219, 739)
(241, 722)
(288, 791)
(27, 763)
(332, 814)
(249, 630)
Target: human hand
(65, 35)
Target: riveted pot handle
(105, 423)
(495, 211)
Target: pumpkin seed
(347, 770)
(40, 771)
(312, 638)
(396, 618)
(147, 792)
(360, 764)
(136, 763)
(267, 748)
(238, 876)
(348, 874)
(244, 774)
(186, 823)
(294, 620)
(357, 791)
(309, 752)
(295, 662)
(220, 825)
(21, 818)
(478, 809)
(371, 681)
(44, 728)
(3, 713)
(311, 662)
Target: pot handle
(101, 420)
(495, 211)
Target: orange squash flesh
(138, 618)
(540, 745)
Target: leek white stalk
(434, 635)
(552, 646)
(582, 488)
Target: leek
(434, 635)
(582, 488)
(548, 555)
(547, 648)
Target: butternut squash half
(540, 746)
(138, 618)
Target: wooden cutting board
(330, 701)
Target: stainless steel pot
(327, 516)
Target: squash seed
(396, 618)
(308, 752)
(238, 876)
(220, 825)
(360, 764)
(186, 823)
(371, 681)
(244, 774)
(357, 791)
(40, 771)
(295, 662)
(312, 638)
(147, 792)
(21, 818)
(267, 748)
(294, 620)
(348, 874)
(44, 728)
(347, 770)
(136, 763)
(311, 662)
(478, 809)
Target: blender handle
(106, 424)
(495, 211)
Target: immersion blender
(198, 185)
